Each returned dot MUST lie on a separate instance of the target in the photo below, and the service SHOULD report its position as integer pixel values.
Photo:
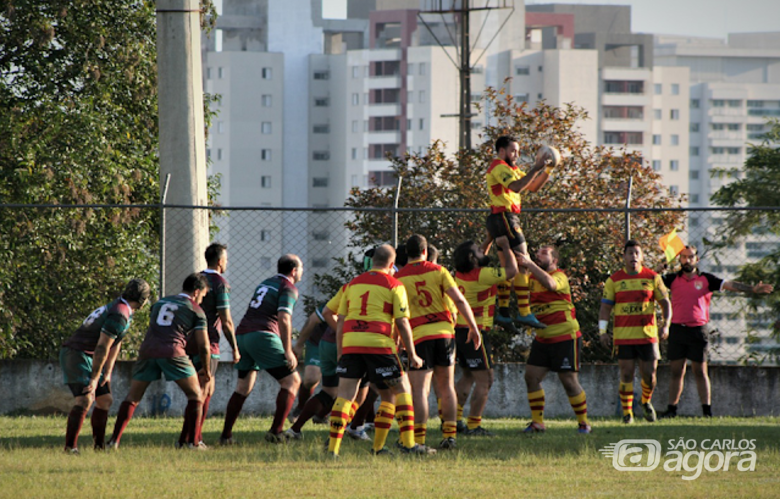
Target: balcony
(384, 136)
(384, 109)
(387, 81)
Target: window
(410, 96)
(354, 153)
(219, 153)
(265, 235)
(320, 155)
(321, 128)
(422, 123)
(355, 99)
(718, 103)
(265, 181)
(410, 68)
(754, 128)
(718, 150)
(521, 98)
(733, 127)
(694, 127)
(355, 71)
(266, 128)
(267, 73)
(733, 150)
(522, 70)
(381, 178)
(319, 262)
(539, 96)
(476, 125)
(695, 104)
(355, 125)
(422, 68)
(265, 154)
(541, 68)
(266, 100)
(694, 220)
(219, 73)
(656, 165)
(693, 174)
(658, 89)
(674, 165)
(675, 139)
(734, 103)
(322, 75)
(208, 73)
(477, 70)
(220, 126)
(658, 114)
(408, 124)
(674, 114)
(694, 151)
(674, 190)
(422, 96)
(718, 126)
(208, 153)
(321, 102)
(320, 235)
(694, 200)
(319, 182)
(675, 89)
(656, 139)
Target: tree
(590, 177)
(756, 186)
(78, 125)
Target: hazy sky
(710, 18)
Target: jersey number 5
(425, 298)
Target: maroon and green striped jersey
(218, 298)
(274, 295)
(112, 319)
(171, 321)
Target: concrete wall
(35, 387)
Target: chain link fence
(257, 237)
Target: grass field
(559, 463)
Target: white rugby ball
(550, 154)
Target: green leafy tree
(756, 186)
(591, 177)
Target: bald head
(384, 257)
(291, 266)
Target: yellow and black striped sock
(504, 290)
(382, 423)
(420, 430)
(449, 429)
(523, 292)
(627, 398)
(580, 407)
(473, 422)
(460, 412)
(404, 414)
(339, 419)
(647, 393)
(536, 401)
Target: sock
(304, 394)
(504, 289)
(125, 414)
(338, 423)
(75, 421)
(366, 408)
(284, 402)
(647, 393)
(232, 411)
(536, 401)
(192, 416)
(523, 292)
(706, 410)
(382, 423)
(473, 422)
(580, 407)
(420, 430)
(199, 434)
(449, 429)
(353, 410)
(404, 414)
(312, 407)
(627, 398)
(460, 412)
(99, 419)
(672, 408)
(327, 404)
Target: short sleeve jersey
(499, 176)
(371, 303)
(217, 298)
(171, 322)
(633, 297)
(274, 295)
(425, 284)
(112, 320)
(691, 297)
(479, 288)
(555, 309)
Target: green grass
(559, 463)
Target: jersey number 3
(259, 295)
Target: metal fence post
(163, 197)
(628, 207)
(395, 212)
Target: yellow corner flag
(672, 245)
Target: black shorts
(688, 343)
(563, 356)
(480, 359)
(377, 368)
(506, 224)
(438, 352)
(646, 352)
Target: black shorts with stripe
(377, 368)
(476, 359)
(437, 352)
(646, 352)
(562, 356)
(506, 224)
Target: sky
(700, 18)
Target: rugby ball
(551, 155)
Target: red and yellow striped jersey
(555, 309)
(425, 284)
(333, 303)
(633, 296)
(370, 304)
(479, 289)
(499, 176)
